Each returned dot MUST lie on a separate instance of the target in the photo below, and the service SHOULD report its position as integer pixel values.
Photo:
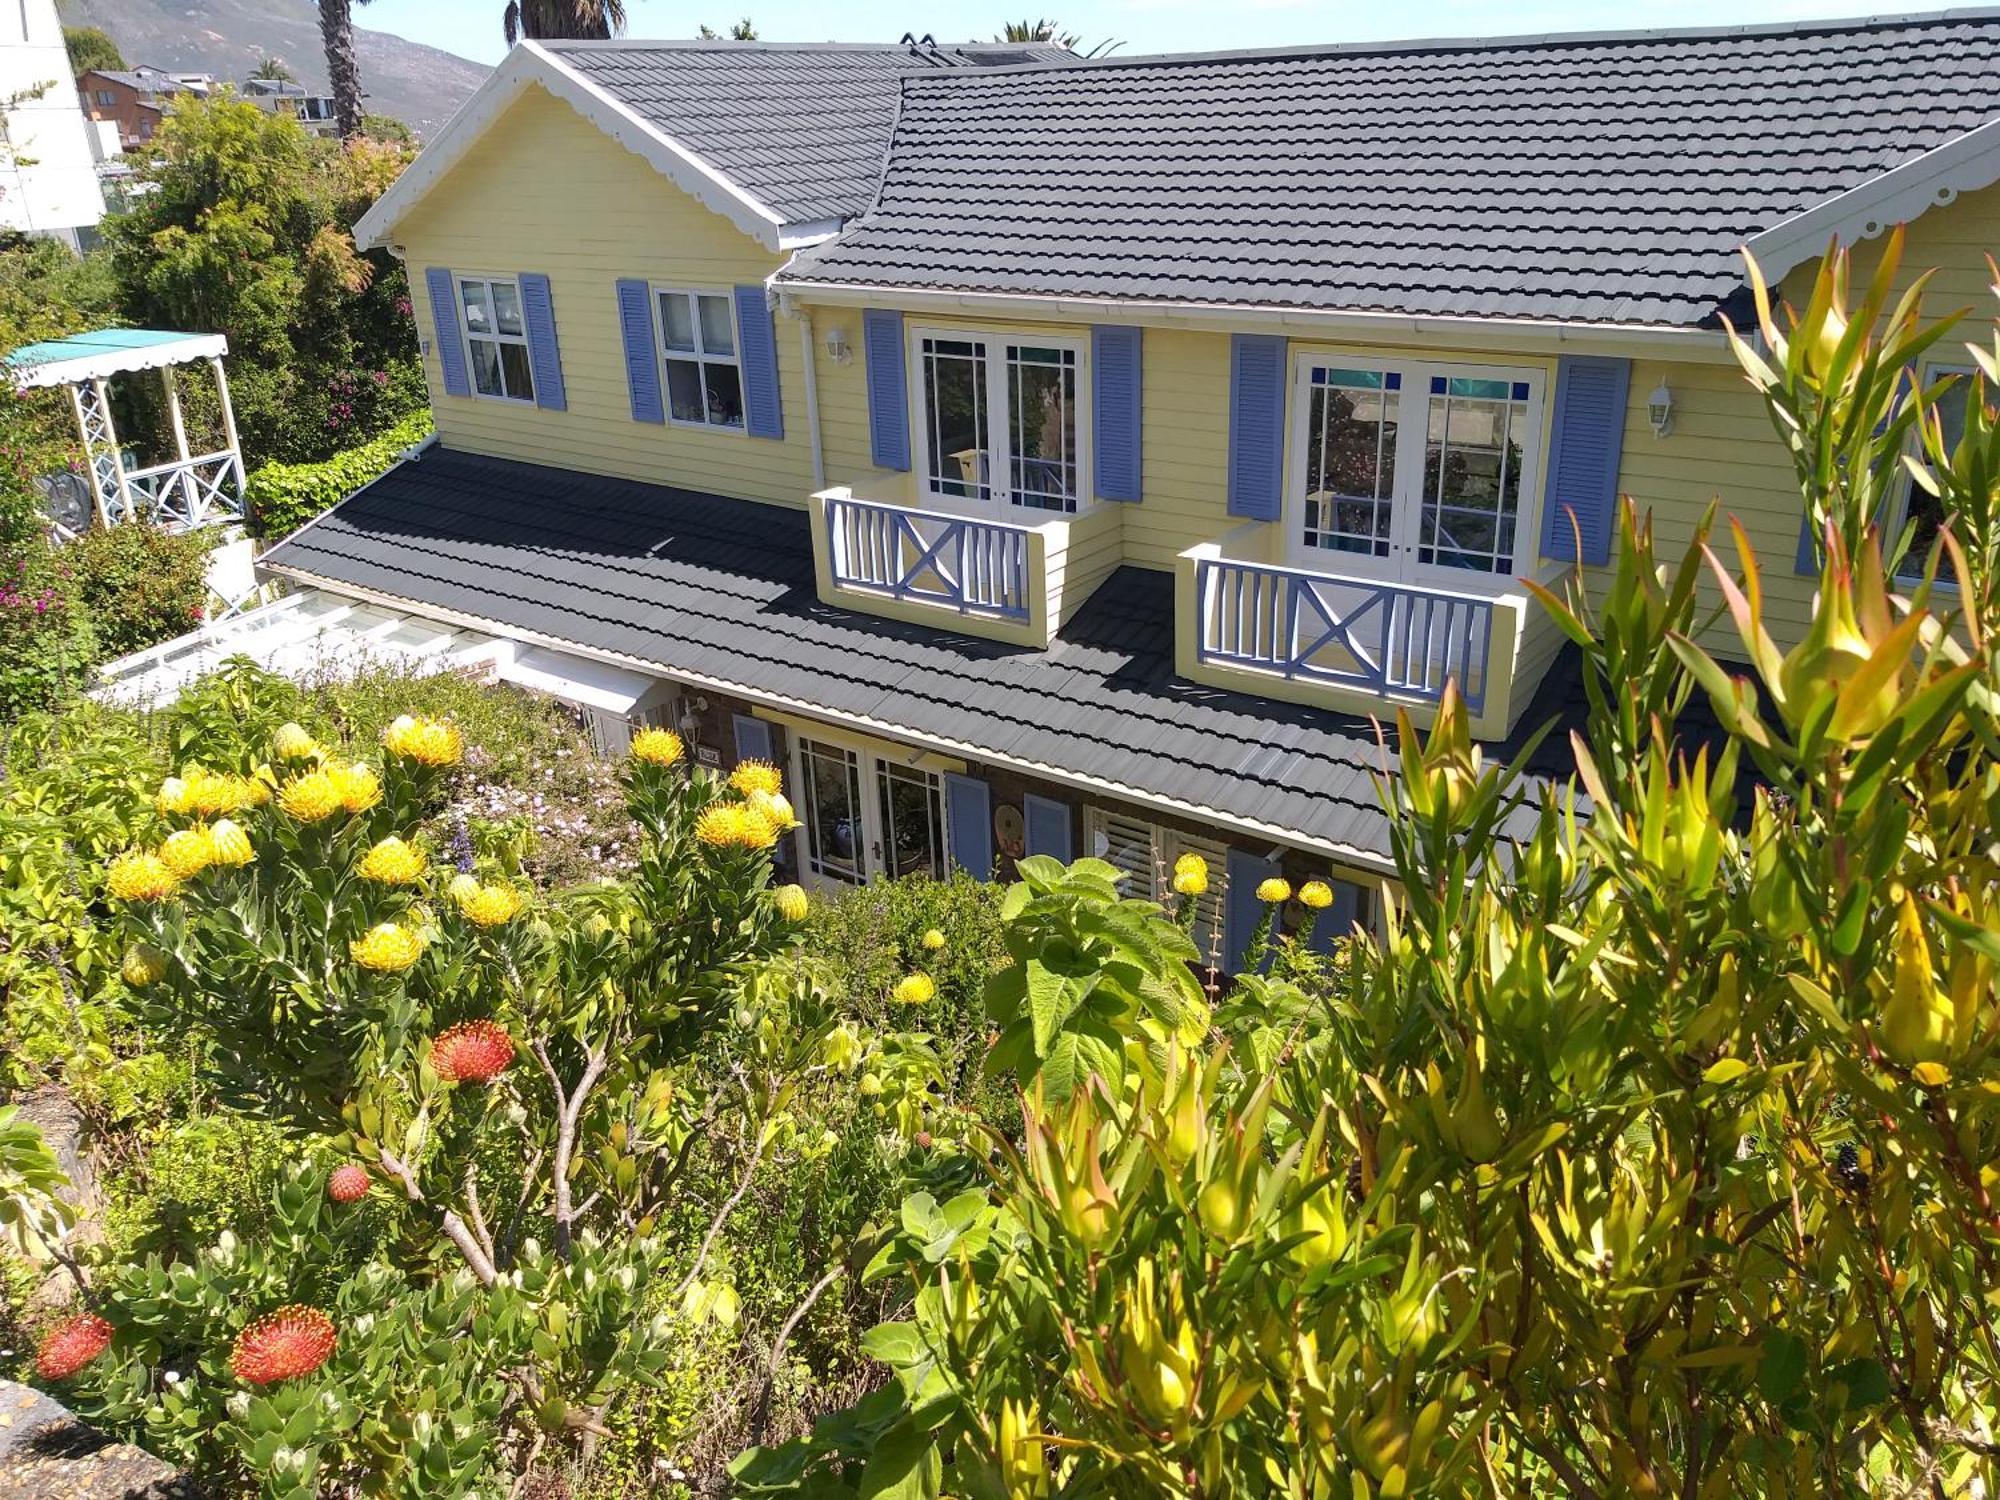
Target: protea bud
(348, 1184)
(472, 1052)
(283, 1345)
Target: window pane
(1925, 511)
(684, 391)
(833, 811)
(1041, 418)
(478, 318)
(718, 334)
(725, 394)
(955, 442)
(486, 367)
(1472, 476)
(507, 308)
(1351, 461)
(676, 321)
(514, 366)
(911, 826)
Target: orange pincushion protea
(472, 1052)
(283, 1345)
(71, 1345)
(348, 1184)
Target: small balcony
(1349, 642)
(183, 493)
(1005, 579)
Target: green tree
(744, 30)
(562, 20)
(274, 68)
(1650, 1149)
(90, 47)
(245, 231)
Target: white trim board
(1358, 859)
(1963, 165)
(531, 64)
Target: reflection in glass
(955, 439)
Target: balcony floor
(722, 590)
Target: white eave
(1963, 165)
(530, 63)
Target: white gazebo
(187, 491)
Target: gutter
(1689, 345)
(1355, 859)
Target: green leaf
(1726, 1070)
(1052, 1000)
(904, 1466)
(1783, 1366)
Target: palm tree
(1038, 31)
(563, 20)
(336, 32)
(274, 69)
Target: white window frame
(466, 337)
(700, 356)
(1000, 502)
(1403, 564)
(870, 762)
(1947, 582)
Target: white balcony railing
(182, 493)
(970, 566)
(1389, 639)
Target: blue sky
(472, 27)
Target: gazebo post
(100, 449)
(184, 480)
(228, 422)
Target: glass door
(833, 837)
(863, 816)
(910, 838)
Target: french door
(1414, 472)
(863, 815)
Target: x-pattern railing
(1382, 638)
(973, 567)
(186, 492)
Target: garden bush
(139, 584)
(282, 497)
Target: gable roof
(784, 140)
(1605, 178)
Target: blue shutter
(444, 320)
(1256, 425)
(539, 313)
(753, 738)
(969, 823)
(1116, 374)
(1243, 910)
(764, 413)
(1335, 922)
(888, 398)
(642, 363)
(1807, 560)
(1586, 438)
(1048, 827)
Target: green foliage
(45, 293)
(91, 48)
(282, 497)
(245, 231)
(32, 1217)
(139, 583)
(47, 645)
(1645, 1153)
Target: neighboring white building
(48, 170)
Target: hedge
(283, 497)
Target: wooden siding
(547, 191)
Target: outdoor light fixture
(1660, 410)
(837, 348)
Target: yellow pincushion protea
(775, 806)
(188, 851)
(392, 862)
(387, 948)
(428, 742)
(311, 798)
(210, 795)
(487, 905)
(933, 940)
(791, 902)
(140, 875)
(736, 825)
(753, 776)
(359, 787)
(172, 798)
(1316, 895)
(914, 989)
(1191, 875)
(657, 747)
(144, 964)
(1274, 890)
(291, 742)
(229, 844)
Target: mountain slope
(418, 85)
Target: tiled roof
(1603, 178)
(803, 128)
(722, 590)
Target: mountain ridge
(409, 81)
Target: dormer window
(999, 419)
(496, 338)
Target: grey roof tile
(1603, 178)
(801, 128)
(723, 589)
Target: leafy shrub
(46, 643)
(139, 583)
(281, 497)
